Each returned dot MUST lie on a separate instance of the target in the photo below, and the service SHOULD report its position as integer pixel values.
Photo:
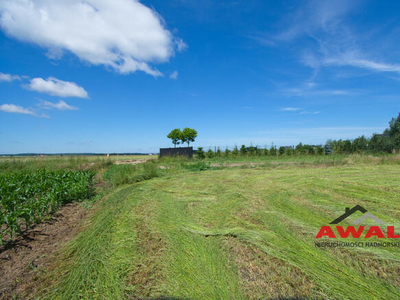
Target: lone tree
(175, 135)
(188, 135)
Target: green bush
(243, 150)
(200, 153)
(235, 152)
(210, 153)
(227, 153)
(272, 151)
(252, 150)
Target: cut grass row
(233, 234)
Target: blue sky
(118, 76)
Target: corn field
(27, 197)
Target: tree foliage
(175, 135)
(387, 141)
(188, 135)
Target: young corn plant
(27, 197)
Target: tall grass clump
(200, 166)
(125, 174)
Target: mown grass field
(243, 232)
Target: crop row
(26, 198)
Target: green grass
(70, 162)
(118, 175)
(233, 233)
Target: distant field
(73, 162)
(244, 232)
(66, 157)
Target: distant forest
(387, 141)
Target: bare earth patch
(23, 261)
(239, 164)
(130, 162)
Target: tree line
(300, 149)
(386, 142)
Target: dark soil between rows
(22, 262)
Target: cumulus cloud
(9, 77)
(12, 108)
(56, 87)
(60, 105)
(122, 34)
(174, 75)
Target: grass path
(234, 234)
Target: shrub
(252, 151)
(281, 150)
(243, 150)
(235, 152)
(289, 151)
(227, 153)
(272, 151)
(200, 153)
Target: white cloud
(309, 92)
(302, 112)
(174, 75)
(12, 108)
(316, 16)
(60, 105)
(56, 87)
(8, 77)
(180, 44)
(338, 44)
(309, 112)
(290, 109)
(350, 59)
(122, 34)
